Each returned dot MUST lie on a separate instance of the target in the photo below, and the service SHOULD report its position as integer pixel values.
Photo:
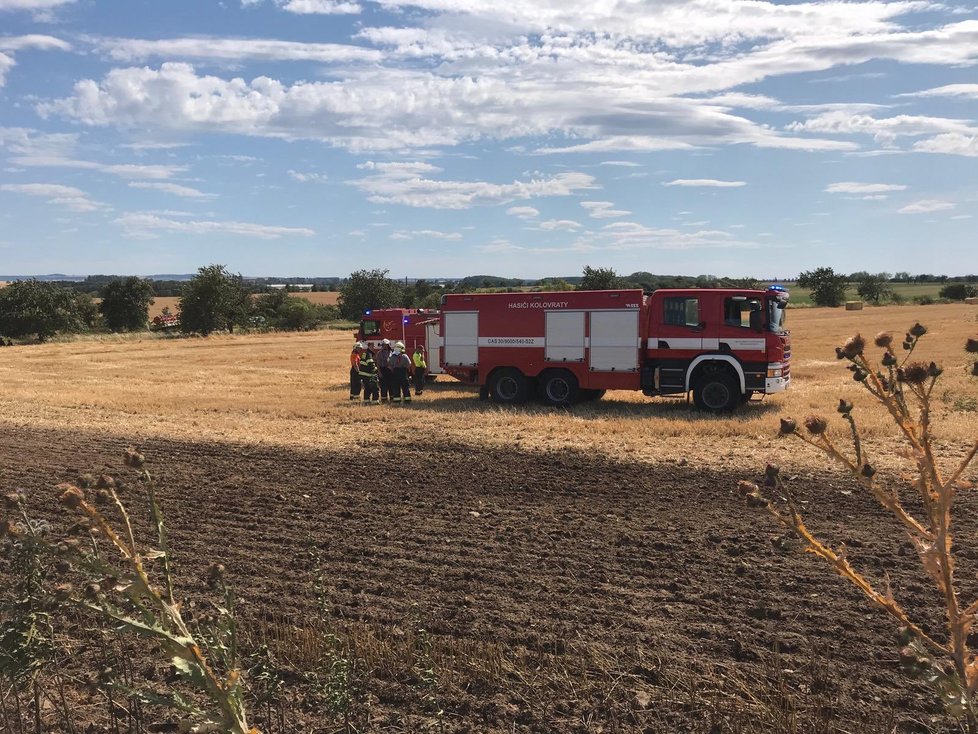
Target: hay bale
(854, 305)
(971, 301)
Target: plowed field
(489, 590)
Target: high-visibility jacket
(355, 360)
(419, 362)
(368, 369)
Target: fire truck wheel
(717, 393)
(559, 388)
(508, 386)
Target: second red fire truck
(721, 345)
(412, 326)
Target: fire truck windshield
(369, 328)
(776, 310)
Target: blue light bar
(367, 312)
(777, 288)
(405, 319)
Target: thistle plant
(114, 584)
(904, 387)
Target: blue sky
(454, 137)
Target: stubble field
(574, 571)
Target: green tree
(872, 286)
(36, 308)
(213, 300)
(125, 303)
(599, 279)
(958, 291)
(368, 289)
(828, 287)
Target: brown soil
(561, 592)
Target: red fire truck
(722, 345)
(409, 325)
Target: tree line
(217, 300)
(828, 288)
(213, 300)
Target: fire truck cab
(720, 345)
(412, 326)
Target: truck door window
(737, 310)
(681, 311)
(370, 328)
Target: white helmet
(386, 342)
(400, 345)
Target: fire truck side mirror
(757, 320)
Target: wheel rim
(507, 388)
(715, 395)
(558, 390)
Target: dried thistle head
(788, 426)
(918, 330)
(845, 407)
(816, 425)
(884, 339)
(915, 373)
(71, 497)
(215, 574)
(853, 347)
(133, 458)
(105, 482)
(974, 369)
(889, 360)
(971, 346)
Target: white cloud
(963, 216)
(232, 49)
(969, 91)
(32, 41)
(428, 234)
(186, 192)
(950, 144)
(6, 64)
(149, 226)
(69, 197)
(403, 185)
(623, 164)
(566, 225)
(321, 7)
(523, 212)
(312, 7)
(34, 5)
(883, 130)
(849, 187)
(707, 182)
(603, 210)
(308, 177)
(926, 206)
(123, 170)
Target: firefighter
(369, 376)
(355, 382)
(401, 367)
(420, 368)
(382, 358)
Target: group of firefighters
(385, 376)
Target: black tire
(559, 387)
(745, 398)
(590, 395)
(717, 392)
(508, 386)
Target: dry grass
(291, 389)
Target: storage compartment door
(433, 347)
(565, 336)
(614, 341)
(461, 339)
